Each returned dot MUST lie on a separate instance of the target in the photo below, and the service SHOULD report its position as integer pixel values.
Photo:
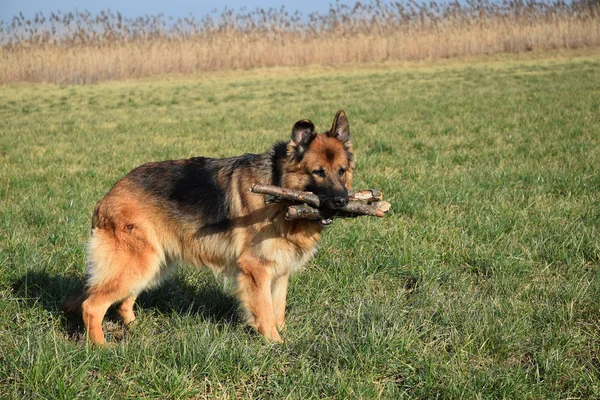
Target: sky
(134, 8)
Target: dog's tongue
(326, 221)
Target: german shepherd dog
(200, 211)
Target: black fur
(190, 186)
(278, 155)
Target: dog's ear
(303, 133)
(340, 128)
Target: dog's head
(321, 163)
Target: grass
(81, 47)
(482, 283)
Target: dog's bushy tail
(72, 305)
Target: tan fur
(135, 241)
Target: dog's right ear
(303, 133)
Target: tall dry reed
(81, 47)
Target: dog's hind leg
(125, 309)
(94, 308)
(119, 269)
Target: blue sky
(133, 8)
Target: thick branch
(364, 202)
(286, 194)
(353, 209)
(302, 211)
(276, 193)
(368, 196)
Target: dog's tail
(72, 305)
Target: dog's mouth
(327, 210)
(326, 216)
(325, 221)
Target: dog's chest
(291, 248)
(288, 257)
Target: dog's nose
(340, 201)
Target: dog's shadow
(174, 295)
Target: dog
(200, 211)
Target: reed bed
(80, 47)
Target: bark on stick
(364, 202)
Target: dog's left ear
(340, 128)
(303, 134)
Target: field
(482, 282)
(84, 47)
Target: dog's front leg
(279, 296)
(254, 292)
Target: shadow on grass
(175, 295)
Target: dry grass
(83, 48)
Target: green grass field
(483, 281)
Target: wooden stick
(302, 211)
(275, 193)
(364, 202)
(369, 195)
(286, 194)
(358, 208)
(353, 209)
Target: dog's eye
(319, 172)
(342, 171)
